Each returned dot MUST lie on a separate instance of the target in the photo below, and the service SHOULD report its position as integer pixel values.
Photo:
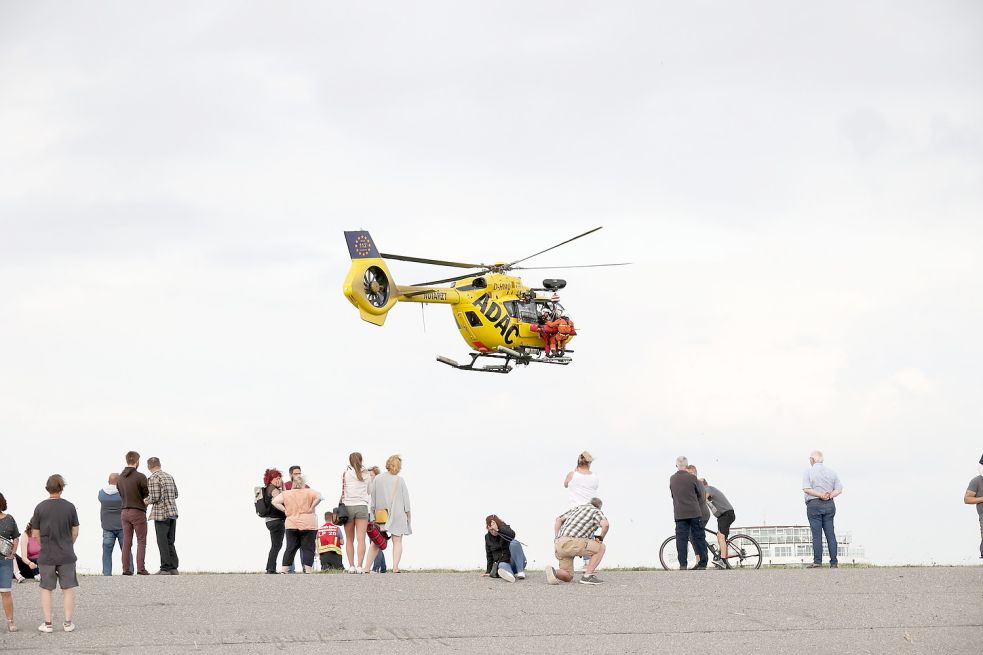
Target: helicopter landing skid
(510, 357)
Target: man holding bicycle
(688, 498)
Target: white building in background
(791, 545)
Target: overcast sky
(800, 186)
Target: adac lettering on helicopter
(497, 315)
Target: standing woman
(298, 503)
(273, 487)
(581, 483)
(8, 530)
(356, 494)
(389, 493)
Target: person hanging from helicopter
(555, 329)
(563, 330)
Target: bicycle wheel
(670, 558)
(743, 552)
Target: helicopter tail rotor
(369, 284)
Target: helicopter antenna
(511, 264)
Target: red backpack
(377, 536)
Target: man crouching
(575, 537)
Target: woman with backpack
(273, 487)
(356, 495)
(391, 502)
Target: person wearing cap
(974, 496)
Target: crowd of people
(47, 545)
(373, 512)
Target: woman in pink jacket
(298, 504)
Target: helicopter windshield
(555, 308)
(527, 312)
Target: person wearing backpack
(274, 516)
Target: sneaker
(521, 575)
(699, 567)
(45, 627)
(551, 576)
(358, 570)
(352, 570)
(127, 572)
(69, 626)
(143, 572)
(814, 566)
(506, 575)
(834, 566)
(590, 579)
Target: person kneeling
(503, 553)
(574, 532)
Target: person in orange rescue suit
(555, 334)
(563, 329)
(545, 330)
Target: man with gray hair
(820, 486)
(688, 498)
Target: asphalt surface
(883, 610)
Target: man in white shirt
(820, 486)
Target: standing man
(162, 495)
(55, 525)
(574, 532)
(132, 486)
(704, 508)
(688, 497)
(974, 496)
(112, 526)
(718, 504)
(821, 485)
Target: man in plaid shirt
(575, 531)
(163, 497)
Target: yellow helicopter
(499, 318)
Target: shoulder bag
(382, 514)
(342, 510)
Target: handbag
(6, 547)
(382, 514)
(341, 511)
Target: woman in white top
(356, 494)
(581, 483)
(389, 492)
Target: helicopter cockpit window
(473, 319)
(527, 312)
(556, 309)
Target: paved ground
(902, 610)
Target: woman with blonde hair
(390, 495)
(356, 495)
(581, 483)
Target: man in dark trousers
(688, 499)
(132, 487)
(162, 494)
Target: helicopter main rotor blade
(451, 279)
(542, 268)
(511, 264)
(422, 260)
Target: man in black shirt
(688, 499)
(55, 525)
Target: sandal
(10, 626)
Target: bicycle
(743, 552)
